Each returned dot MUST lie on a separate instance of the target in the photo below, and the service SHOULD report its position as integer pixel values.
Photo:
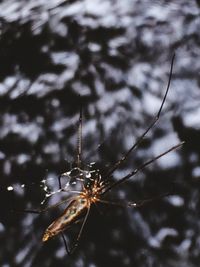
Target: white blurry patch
(176, 201)
(22, 158)
(22, 86)
(60, 29)
(137, 74)
(79, 87)
(27, 222)
(98, 7)
(100, 87)
(79, 262)
(94, 47)
(61, 124)
(159, 13)
(109, 100)
(151, 103)
(192, 118)
(162, 234)
(184, 247)
(76, 8)
(105, 103)
(3, 89)
(129, 140)
(114, 73)
(110, 123)
(169, 160)
(121, 194)
(55, 103)
(22, 254)
(64, 58)
(161, 145)
(196, 172)
(89, 127)
(2, 155)
(43, 84)
(140, 224)
(61, 252)
(29, 131)
(2, 228)
(188, 102)
(117, 42)
(7, 167)
(193, 158)
(51, 148)
(10, 81)
(66, 76)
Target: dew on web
(69, 183)
(10, 188)
(48, 189)
(39, 187)
(17, 188)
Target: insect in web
(91, 187)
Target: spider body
(74, 211)
(89, 188)
(78, 206)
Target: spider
(92, 186)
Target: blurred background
(115, 54)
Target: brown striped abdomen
(75, 210)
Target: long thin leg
(59, 181)
(65, 243)
(75, 244)
(58, 191)
(139, 140)
(133, 204)
(141, 167)
(79, 140)
(38, 211)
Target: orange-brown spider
(93, 187)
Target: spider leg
(71, 249)
(133, 204)
(141, 167)
(59, 182)
(140, 139)
(79, 139)
(65, 243)
(79, 144)
(39, 211)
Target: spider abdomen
(75, 210)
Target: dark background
(116, 54)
